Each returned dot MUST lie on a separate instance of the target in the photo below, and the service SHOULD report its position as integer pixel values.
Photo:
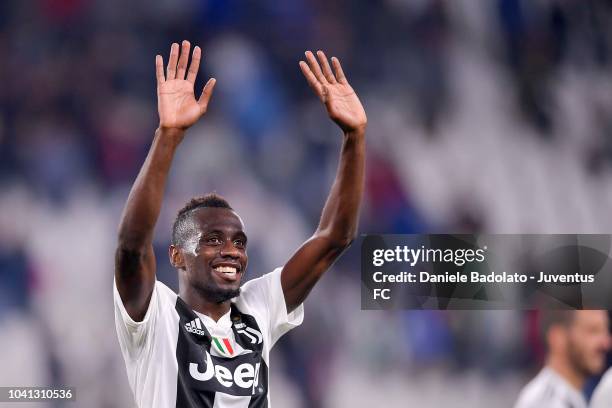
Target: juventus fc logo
(253, 335)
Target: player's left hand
(343, 105)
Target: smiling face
(213, 258)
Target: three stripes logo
(195, 326)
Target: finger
(174, 51)
(338, 71)
(159, 69)
(326, 68)
(311, 79)
(207, 92)
(195, 64)
(182, 62)
(314, 66)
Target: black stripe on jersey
(186, 343)
(201, 375)
(260, 400)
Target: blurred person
(577, 342)
(209, 344)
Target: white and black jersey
(549, 390)
(176, 357)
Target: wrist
(172, 134)
(358, 132)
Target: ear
(557, 337)
(176, 257)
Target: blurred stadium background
(485, 116)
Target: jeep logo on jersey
(206, 371)
(244, 376)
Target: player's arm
(178, 110)
(338, 225)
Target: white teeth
(226, 269)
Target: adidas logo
(195, 326)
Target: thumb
(207, 93)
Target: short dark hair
(181, 225)
(550, 318)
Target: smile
(228, 272)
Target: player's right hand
(176, 103)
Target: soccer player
(577, 342)
(209, 345)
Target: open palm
(342, 104)
(176, 102)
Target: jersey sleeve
(134, 337)
(265, 294)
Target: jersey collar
(225, 322)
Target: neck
(565, 370)
(200, 303)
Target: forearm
(339, 219)
(145, 199)
(340, 216)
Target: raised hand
(343, 105)
(176, 101)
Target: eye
(239, 242)
(213, 240)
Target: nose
(229, 250)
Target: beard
(578, 360)
(215, 294)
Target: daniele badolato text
(459, 257)
(478, 277)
